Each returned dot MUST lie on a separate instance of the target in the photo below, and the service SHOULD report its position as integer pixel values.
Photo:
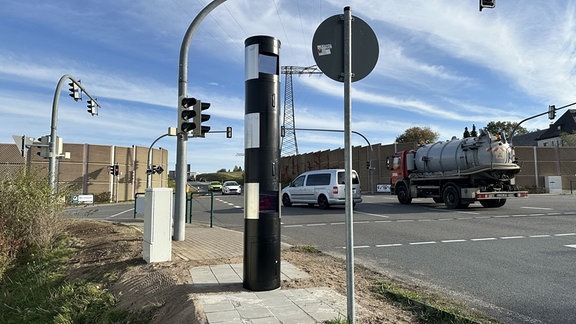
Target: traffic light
(487, 4)
(551, 112)
(199, 118)
(44, 146)
(114, 169)
(228, 132)
(186, 115)
(368, 165)
(75, 91)
(92, 107)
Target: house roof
(528, 139)
(565, 124)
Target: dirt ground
(164, 288)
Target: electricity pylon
(289, 145)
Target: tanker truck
(457, 172)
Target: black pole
(261, 163)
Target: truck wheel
(286, 200)
(492, 203)
(323, 202)
(403, 195)
(451, 197)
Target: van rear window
(320, 179)
(342, 176)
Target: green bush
(30, 220)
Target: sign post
(345, 48)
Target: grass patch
(429, 307)
(306, 249)
(35, 290)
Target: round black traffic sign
(328, 48)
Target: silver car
(231, 188)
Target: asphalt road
(516, 262)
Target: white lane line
(388, 245)
(483, 239)
(423, 243)
(571, 246)
(543, 208)
(338, 223)
(370, 214)
(300, 225)
(566, 234)
(120, 213)
(319, 224)
(540, 235)
(512, 237)
(453, 241)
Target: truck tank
(467, 156)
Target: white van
(322, 187)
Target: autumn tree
(568, 139)
(423, 135)
(506, 127)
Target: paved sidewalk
(222, 298)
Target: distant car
(214, 186)
(231, 188)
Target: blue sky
(442, 64)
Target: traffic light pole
(181, 144)
(52, 154)
(538, 115)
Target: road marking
(543, 208)
(540, 235)
(483, 239)
(299, 225)
(120, 213)
(370, 214)
(565, 234)
(453, 241)
(423, 243)
(388, 245)
(571, 246)
(512, 237)
(444, 219)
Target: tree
(568, 139)
(506, 127)
(423, 135)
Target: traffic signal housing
(74, 91)
(44, 146)
(92, 107)
(199, 118)
(228, 132)
(114, 169)
(186, 115)
(551, 112)
(487, 4)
